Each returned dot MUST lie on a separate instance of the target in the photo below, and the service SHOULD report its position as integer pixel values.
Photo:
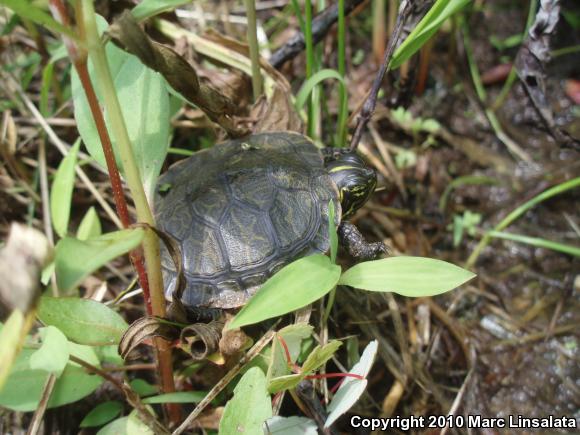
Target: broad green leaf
(294, 286)
(425, 29)
(62, 190)
(250, 407)
(77, 259)
(53, 355)
(177, 397)
(309, 85)
(290, 426)
(149, 8)
(142, 387)
(145, 104)
(109, 355)
(102, 413)
(90, 226)
(24, 386)
(292, 336)
(10, 343)
(283, 383)
(135, 425)
(332, 236)
(26, 9)
(86, 353)
(351, 388)
(116, 427)
(319, 356)
(83, 321)
(407, 276)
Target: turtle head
(353, 178)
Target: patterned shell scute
(240, 211)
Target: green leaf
(47, 75)
(177, 397)
(90, 226)
(292, 336)
(10, 343)
(144, 101)
(86, 353)
(309, 85)
(77, 259)
(135, 425)
(83, 321)
(62, 190)
(291, 426)
(332, 236)
(250, 406)
(319, 356)
(149, 8)
(102, 413)
(24, 386)
(47, 273)
(407, 276)
(425, 29)
(53, 355)
(116, 427)
(26, 9)
(536, 241)
(283, 383)
(351, 388)
(109, 355)
(142, 387)
(294, 286)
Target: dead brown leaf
(127, 34)
(26, 252)
(276, 112)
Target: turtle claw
(357, 246)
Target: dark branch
(320, 26)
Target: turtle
(243, 209)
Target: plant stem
(510, 144)
(79, 58)
(342, 94)
(536, 241)
(309, 60)
(519, 211)
(379, 30)
(254, 48)
(133, 178)
(565, 50)
(116, 183)
(513, 75)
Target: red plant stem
(286, 351)
(79, 57)
(116, 183)
(337, 386)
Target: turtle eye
(163, 189)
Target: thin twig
(134, 400)
(369, 105)
(42, 405)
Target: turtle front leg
(357, 246)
